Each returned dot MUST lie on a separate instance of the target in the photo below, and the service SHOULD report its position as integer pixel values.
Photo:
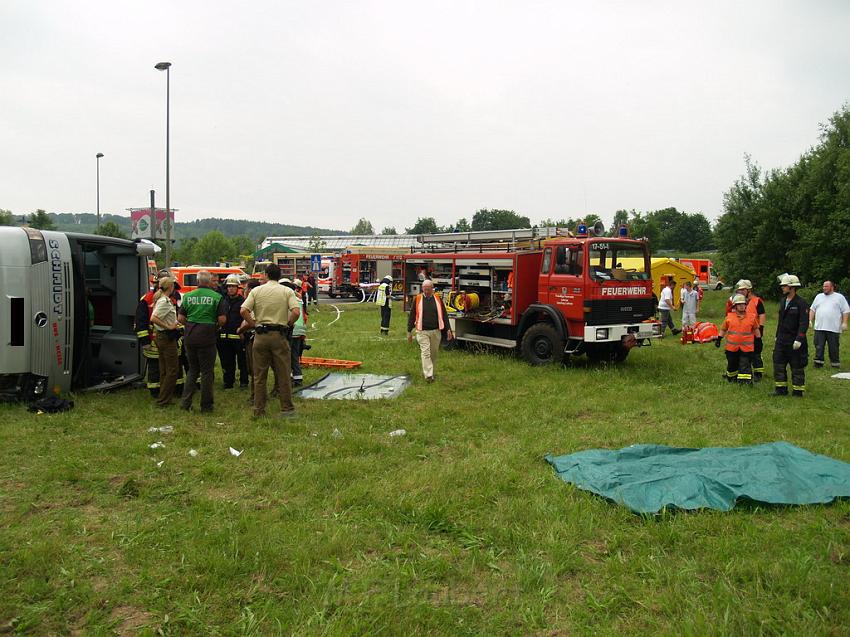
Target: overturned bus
(68, 305)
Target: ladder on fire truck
(490, 240)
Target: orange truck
(187, 276)
(705, 272)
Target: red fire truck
(549, 296)
(358, 268)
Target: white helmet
(285, 282)
(232, 279)
(744, 284)
(790, 280)
(739, 298)
(389, 278)
(297, 283)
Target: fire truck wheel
(332, 295)
(719, 286)
(542, 345)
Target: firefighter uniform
(755, 307)
(231, 348)
(740, 332)
(384, 300)
(145, 336)
(793, 323)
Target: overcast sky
(318, 113)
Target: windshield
(611, 261)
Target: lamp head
(99, 155)
(162, 66)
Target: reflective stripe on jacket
(740, 332)
(440, 318)
(384, 296)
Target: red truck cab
(548, 297)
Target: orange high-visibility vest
(440, 319)
(740, 332)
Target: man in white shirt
(829, 313)
(666, 307)
(690, 300)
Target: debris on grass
(193, 453)
(398, 433)
(167, 429)
(336, 433)
(157, 445)
(234, 452)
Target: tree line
(794, 219)
(667, 229)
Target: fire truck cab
(548, 297)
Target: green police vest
(201, 306)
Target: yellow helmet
(739, 298)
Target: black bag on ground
(51, 405)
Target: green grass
(458, 528)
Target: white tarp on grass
(341, 386)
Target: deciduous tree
(41, 220)
(495, 219)
(364, 226)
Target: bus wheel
(542, 345)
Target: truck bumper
(615, 333)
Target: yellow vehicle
(662, 270)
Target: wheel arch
(550, 315)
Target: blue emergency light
(582, 230)
(623, 231)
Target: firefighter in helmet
(741, 329)
(231, 348)
(145, 335)
(384, 300)
(791, 348)
(755, 307)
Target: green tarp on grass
(647, 478)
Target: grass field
(458, 528)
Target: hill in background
(257, 230)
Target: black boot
(780, 391)
(797, 393)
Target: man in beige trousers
(428, 317)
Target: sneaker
(835, 365)
(185, 407)
(429, 379)
(287, 414)
(676, 332)
(818, 364)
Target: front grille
(614, 311)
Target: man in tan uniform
(275, 309)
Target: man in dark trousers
(791, 347)
(231, 349)
(203, 311)
(428, 316)
(384, 300)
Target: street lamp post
(166, 66)
(97, 160)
